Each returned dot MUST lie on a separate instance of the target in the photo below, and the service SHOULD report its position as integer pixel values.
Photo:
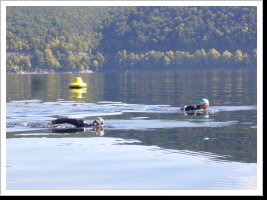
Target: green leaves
(170, 59)
(66, 38)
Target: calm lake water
(148, 144)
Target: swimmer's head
(202, 101)
(204, 104)
(100, 120)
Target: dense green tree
(213, 57)
(24, 63)
(238, 58)
(201, 58)
(50, 61)
(38, 59)
(85, 62)
(226, 58)
(67, 38)
(12, 63)
(165, 61)
(95, 64)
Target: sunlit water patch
(100, 163)
(153, 124)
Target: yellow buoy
(78, 82)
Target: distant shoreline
(179, 69)
(138, 70)
(48, 72)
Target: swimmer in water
(204, 105)
(77, 122)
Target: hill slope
(67, 38)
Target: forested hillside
(67, 38)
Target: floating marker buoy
(78, 82)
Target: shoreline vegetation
(136, 70)
(62, 39)
(48, 72)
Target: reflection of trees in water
(228, 141)
(50, 87)
(171, 88)
(184, 87)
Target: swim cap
(202, 101)
(101, 120)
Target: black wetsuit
(76, 122)
(191, 107)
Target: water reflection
(99, 131)
(171, 88)
(148, 140)
(78, 93)
(202, 114)
(229, 129)
(143, 106)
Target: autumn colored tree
(24, 63)
(213, 57)
(226, 58)
(148, 37)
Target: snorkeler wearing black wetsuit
(77, 122)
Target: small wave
(139, 118)
(109, 102)
(27, 101)
(38, 111)
(235, 108)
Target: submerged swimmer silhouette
(77, 122)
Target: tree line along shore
(63, 39)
